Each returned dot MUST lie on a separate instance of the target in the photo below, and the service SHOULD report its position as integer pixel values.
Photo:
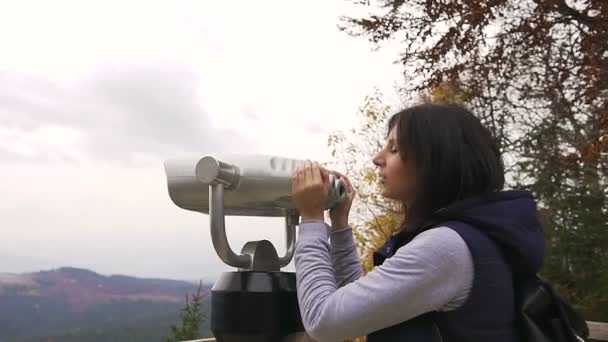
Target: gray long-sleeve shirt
(434, 272)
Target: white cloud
(115, 114)
(111, 219)
(51, 141)
(94, 95)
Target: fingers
(349, 185)
(298, 180)
(309, 174)
(351, 188)
(317, 177)
(312, 174)
(340, 175)
(309, 190)
(308, 171)
(324, 175)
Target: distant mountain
(71, 304)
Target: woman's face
(397, 177)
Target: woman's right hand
(339, 214)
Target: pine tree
(191, 319)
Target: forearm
(426, 275)
(345, 257)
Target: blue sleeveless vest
(489, 311)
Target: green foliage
(574, 209)
(192, 317)
(374, 217)
(536, 74)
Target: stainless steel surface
(256, 185)
(255, 255)
(243, 185)
(263, 256)
(218, 230)
(291, 221)
(250, 185)
(210, 171)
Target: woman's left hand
(309, 187)
(339, 214)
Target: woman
(447, 275)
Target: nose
(378, 160)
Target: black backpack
(544, 316)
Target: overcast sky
(95, 95)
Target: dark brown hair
(454, 155)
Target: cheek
(410, 180)
(406, 179)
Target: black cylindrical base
(255, 306)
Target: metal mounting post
(255, 255)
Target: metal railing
(597, 331)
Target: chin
(387, 194)
(391, 195)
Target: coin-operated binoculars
(258, 302)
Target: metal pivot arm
(256, 255)
(218, 230)
(291, 220)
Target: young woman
(447, 274)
